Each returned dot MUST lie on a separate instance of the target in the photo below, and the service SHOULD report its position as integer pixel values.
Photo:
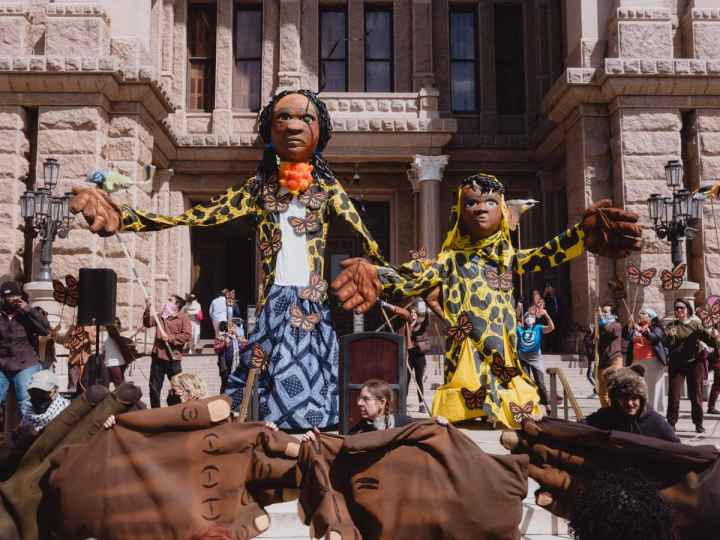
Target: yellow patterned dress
(483, 375)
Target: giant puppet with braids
(483, 377)
(292, 199)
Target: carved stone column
(289, 73)
(428, 173)
(222, 113)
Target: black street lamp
(676, 217)
(50, 214)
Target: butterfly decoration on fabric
(501, 371)
(298, 319)
(312, 198)
(674, 279)
(640, 277)
(276, 203)
(497, 281)
(316, 289)
(521, 412)
(418, 255)
(710, 313)
(67, 294)
(309, 224)
(476, 399)
(268, 247)
(258, 359)
(463, 329)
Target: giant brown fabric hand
(103, 215)
(173, 481)
(358, 285)
(611, 232)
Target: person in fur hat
(629, 410)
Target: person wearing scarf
(682, 337)
(646, 347)
(46, 401)
(474, 268)
(292, 200)
(174, 333)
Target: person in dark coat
(376, 405)
(629, 410)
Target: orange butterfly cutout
(275, 203)
(673, 279)
(521, 412)
(68, 295)
(501, 371)
(462, 329)
(476, 399)
(498, 281)
(640, 277)
(311, 223)
(298, 319)
(268, 247)
(710, 313)
(259, 357)
(313, 198)
(316, 289)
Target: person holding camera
(20, 327)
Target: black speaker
(98, 295)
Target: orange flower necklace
(295, 177)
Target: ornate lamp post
(50, 214)
(675, 217)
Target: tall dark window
(248, 58)
(378, 50)
(509, 59)
(201, 56)
(333, 50)
(463, 59)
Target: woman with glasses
(682, 337)
(376, 406)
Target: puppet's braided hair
(484, 183)
(621, 505)
(268, 164)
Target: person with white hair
(646, 347)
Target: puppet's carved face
(295, 129)
(480, 213)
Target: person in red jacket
(174, 332)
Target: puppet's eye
(491, 204)
(308, 119)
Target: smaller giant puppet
(474, 269)
(292, 199)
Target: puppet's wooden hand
(103, 215)
(434, 300)
(358, 285)
(611, 232)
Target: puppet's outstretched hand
(358, 285)
(434, 300)
(611, 232)
(102, 214)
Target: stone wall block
(12, 118)
(650, 121)
(710, 143)
(13, 36)
(710, 168)
(706, 39)
(641, 39)
(77, 36)
(652, 143)
(74, 118)
(12, 142)
(709, 119)
(69, 142)
(638, 191)
(644, 167)
(121, 149)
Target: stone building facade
(568, 101)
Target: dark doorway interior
(342, 243)
(223, 257)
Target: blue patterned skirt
(298, 390)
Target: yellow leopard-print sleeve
(236, 202)
(562, 248)
(411, 278)
(341, 204)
